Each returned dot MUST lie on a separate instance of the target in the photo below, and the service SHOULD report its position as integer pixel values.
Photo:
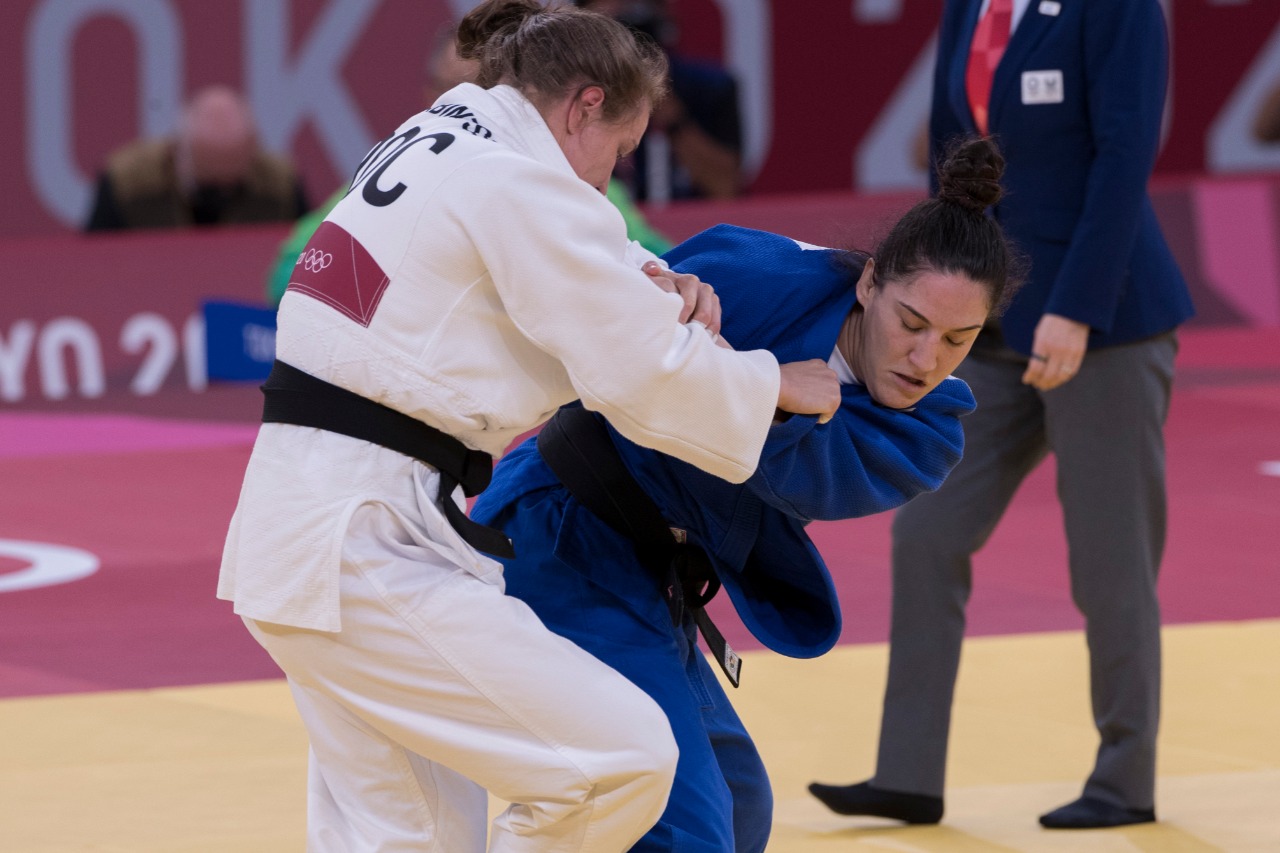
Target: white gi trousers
(438, 687)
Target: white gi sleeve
(560, 261)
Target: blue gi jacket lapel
(1006, 88)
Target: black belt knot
(294, 397)
(577, 448)
(698, 583)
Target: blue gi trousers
(584, 581)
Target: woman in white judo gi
(473, 280)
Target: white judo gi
(472, 281)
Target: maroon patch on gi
(340, 272)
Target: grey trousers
(1106, 430)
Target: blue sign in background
(240, 340)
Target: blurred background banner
(834, 93)
(119, 320)
(240, 340)
(114, 321)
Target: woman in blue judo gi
(618, 547)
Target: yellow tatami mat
(221, 768)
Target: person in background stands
(212, 171)
(1081, 366)
(694, 145)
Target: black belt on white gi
(295, 397)
(577, 448)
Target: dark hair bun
(489, 19)
(969, 174)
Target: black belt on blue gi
(577, 448)
(295, 397)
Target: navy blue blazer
(1076, 106)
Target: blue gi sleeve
(865, 460)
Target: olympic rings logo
(314, 260)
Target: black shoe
(1090, 813)
(863, 799)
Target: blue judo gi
(586, 583)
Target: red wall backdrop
(827, 83)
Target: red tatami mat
(150, 498)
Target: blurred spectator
(1266, 124)
(638, 228)
(210, 172)
(694, 145)
(444, 70)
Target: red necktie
(989, 41)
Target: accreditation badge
(1042, 87)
